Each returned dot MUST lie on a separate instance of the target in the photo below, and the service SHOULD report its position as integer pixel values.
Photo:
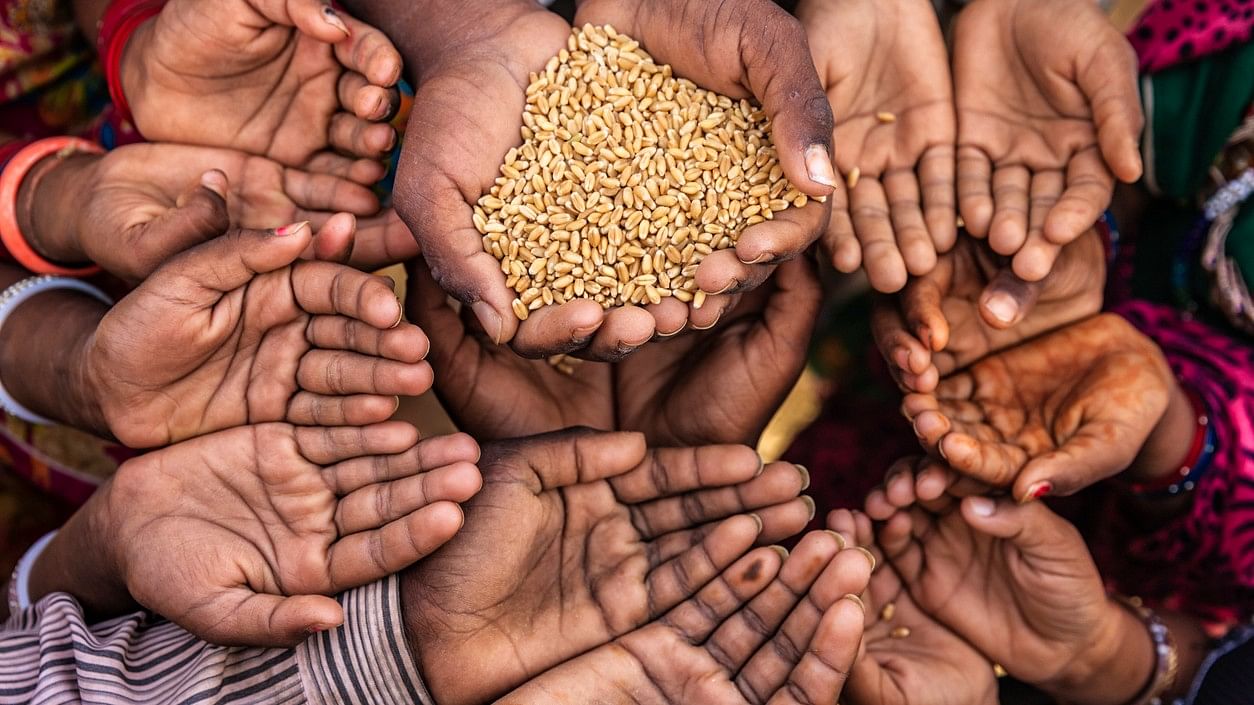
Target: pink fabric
(1171, 32)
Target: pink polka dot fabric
(1171, 32)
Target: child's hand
(241, 536)
(1048, 116)
(1053, 415)
(886, 71)
(1017, 583)
(236, 331)
(292, 80)
(972, 305)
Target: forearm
(48, 205)
(41, 354)
(1168, 444)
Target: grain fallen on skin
(626, 179)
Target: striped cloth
(50, 654)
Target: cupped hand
(886, 70)
(1053, 415)
(291, 80)
(908, 658)
(759, 633)
(1048, 116)
(1017, 583)
(716, 386)
(744, 49)
(242, 536)
(972, 305)
(580, 537)
(235, 331)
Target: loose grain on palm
(626, 179)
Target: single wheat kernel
(900, 633)
(854, 175)
(887, 613)
(886, 117)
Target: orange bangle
(11, 183)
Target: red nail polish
(290, 229)
(1038, 491)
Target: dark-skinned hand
(972, 305)
(1048, 116)
(580, 537)
(1053, 415)
(886, 70)
(236, 331)
(760, 633)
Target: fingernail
(316, 629)
(819, 166)
(380, 107)
(855, 600)
(983, 506)
(840, 540)
(1037, 490)
(925, 335)
(757, 520)
(901, 356)
(809, 502)
(290, 229)
(783, 552)
(730, 286)
(489, 319)
(333, 18)
(1002, 306)
(762, 258)
(869, 556)
(215, 181)
(581, 334)
(941, 447)
(805, 477)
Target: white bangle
(19, 587)
(15, 296)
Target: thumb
(1110, 84)
(1007, 299)
(199, 214)
(336, 239)
(1033, 528)
(315, 18)
(252, 619)
(231, 261)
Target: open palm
(577, 538)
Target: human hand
(1048, 116)
(886, 70)
(908, 658)
(759, 633)
(972, 305)
(291, 80)
(1017, 583)
(716, 386)
(235, 331)
(744, 49)
(1053, 415)
(242, 536)
(577, 538)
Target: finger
(404, 343)
(669, 317)
(313, 17)
(1036, 257)
(354, 474)
(937, 169)
(740, 636)
(1032, 528)
(781, 522)
(364, 557)
(375, 505)
(711, 311)
(839, 239)
(722, 272)
(362, 171)
(820, 675)
(695, 618)
(334, 239)
(309, 409)
(352, 135)
(330, 445)
(570, 457)
(1009, 227)
(975, 194)
(993, 463)
(340, 373)
(230, 261)
(880, 257)
(670, 582)
(896, 539)
(382, 241)
(241, 617)
(783, 237)
(625, 328)
(906, 213)
(554, 330)
(779, 483)
(1090, 188)
(328, 194)
(368, 52)
(668, 472)
(1007, 299)
(1100, 449)
(922, 304)
(1116, 106)
(332, 289)
(901, 350)
(200, 214)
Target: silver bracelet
(19, 584)
(15, 296)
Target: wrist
(48, 201)
(1115, 667)
(82, 561)
(1167, 446)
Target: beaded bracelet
(1166, 656)
(15, 172)
(1196, 462)
(119, 22)
(15, 296)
